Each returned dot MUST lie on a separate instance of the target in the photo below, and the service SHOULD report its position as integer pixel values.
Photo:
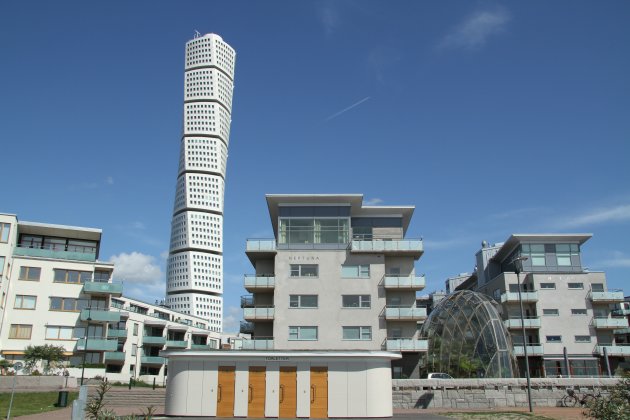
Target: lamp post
(518, 266)
(87, 337)
(17, 366)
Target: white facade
(355, 384)
(195, 265)
(55, 291)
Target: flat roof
(49, 229)
(518, 238)
(355, 201)
(281, 356)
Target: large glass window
(71, 276)
(303, 301)
(554, 339)
(25, 302)
(547, 285)
(578, 311)
(59, 333)
(313, 231)
(564, 253)
(5, 230)
(30, 273)
(551, 312)
(356, 301)
(67, 304)
(303, 333)
(357, 333)
(304, 270)
(577, 286)
(21, 331)
(355, 271)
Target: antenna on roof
(197, 34)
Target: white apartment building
(56, 291)
(338, 276)
(195, 264)
(570, 316)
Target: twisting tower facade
(195, 263)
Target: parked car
(439, 376)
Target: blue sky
(489, 117)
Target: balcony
(404, 283)
(201, 347)
(610, 323)
(531, 322)
(532, 350)
(152, 360)
(259, 313)
(256, 249)
(409, 247)
(263, 343)
(622, 331)
(101, 288)
(116, 333)
(399, 313)
(97, 344)
(606, 297)
(78, 254)
(246, 327)
(155, 340)
(176, 344)
(612, 349)
(406, 345)
(512, 297)
(621, 312)
(100, 315)
(114, 356)
(257, 283)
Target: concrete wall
(489, 393)
(36, 382)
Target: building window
(303, 333)
(578, 311)
(564, 253)
(5, 229)
(101, 276)
(496, 294)
(357, 333)
(1, 267)
(536, 253)
(303, 301)
(582, 338)
(548, 286)
(67, 304)
(576, 286)
(554, 339)
(597, 287)
(25, 302)
(135, 329)
(30, 273)
(356, 301)
(20, 331)
(355, 271)
(134, 349)
(300, 231)
(551, 312)
(59, 333)
(71, 276)
(304, 270)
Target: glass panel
(294, 301)
(597, 287)
(349, 271)
(293, 333)
(308, 333)
(365, 301)
(308, 301)
(366, 333)
(55, 303)
(351, 333)
(65, 333)
(60, 276)
(28, 302)
(538, 260)
(73, 277)
(350, 301)
(5, 229)
(85, 276)
(563, 260)
(308, 270)
(52, 333)
(69, 304)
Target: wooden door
(256, 392)
(288, 392)
(225, 391)
(319, 392)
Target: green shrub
(616, 406)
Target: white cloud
(231, 319)
(473, 32)
(330, 19)
(618, 259)
(136, 268)
(620, 213)
(373, 201)
(109, 180)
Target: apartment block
(339, 275)
(56, 291)
(570, 315)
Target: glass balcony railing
(254, 282)
(393, 246)
(259, 313)
(200, 347)
(114, 356)
(176, 344)
(622, 331)
(96, 344)
(100, 315)
(532, 350)
(152, 360)
(613, 349)
(263, 343)
(531, 322)
(76, 254)
(606, 323)
(116, 333)
(94, 287)
(405, 313)
(404, 282)
(406, 345)
(608, 296)
(512, 297)
(263, 245)
(157, 340)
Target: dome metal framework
(467, 338)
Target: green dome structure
(467, 338)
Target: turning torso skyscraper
(195, 263)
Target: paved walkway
(560, 413)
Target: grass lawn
(493, 415)
(31, 402)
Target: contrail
(347, 109)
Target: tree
(47, 353)
(616, 406)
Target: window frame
(541, 287)
(556, 313)
(363, 271)
(21, 307)
(590, 339)
(25, 271)
(581, 286)
(299, 273)
(573, 313)
(15, 329)
(547, 339)
(80, 274)
(298, 329)
(360, 301)
(5, 227)
(299, 302)
(59, 329)
(361, 330)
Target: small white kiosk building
(284, 384)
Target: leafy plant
(616, 406)
(94, 408)
(47, 353)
